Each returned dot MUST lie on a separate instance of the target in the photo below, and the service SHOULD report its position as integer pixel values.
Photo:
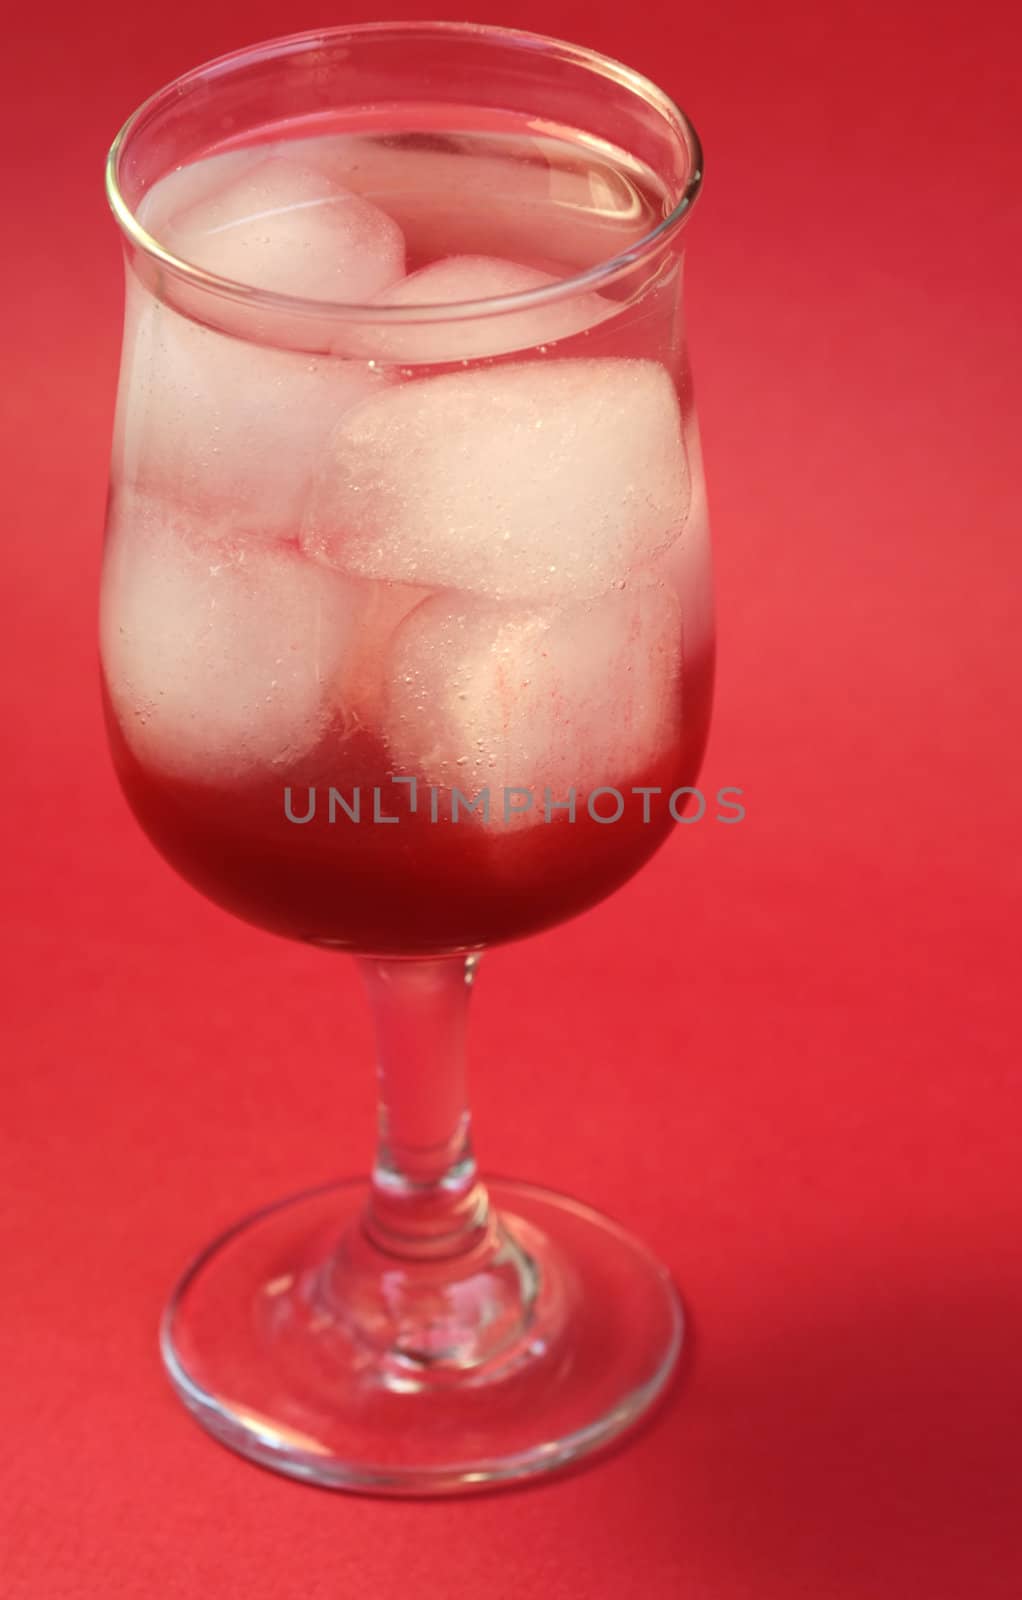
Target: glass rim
(593, 278)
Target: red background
(784, 1054)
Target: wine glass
(407, 649)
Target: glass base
(273, 1354)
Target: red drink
(422, 882)
(361, 576)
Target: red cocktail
(407, 647)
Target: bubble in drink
(471, 278)
(572, 696)
(542, 481)
(221, 657)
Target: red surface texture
(786, 1054)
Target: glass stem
(425, 1200)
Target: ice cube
(442, 189)
(282, 226)
(359, 689)
(464, 278)
(536, 481)
(578, 696)
(185, 185)
(231, 429)
(221, 658)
